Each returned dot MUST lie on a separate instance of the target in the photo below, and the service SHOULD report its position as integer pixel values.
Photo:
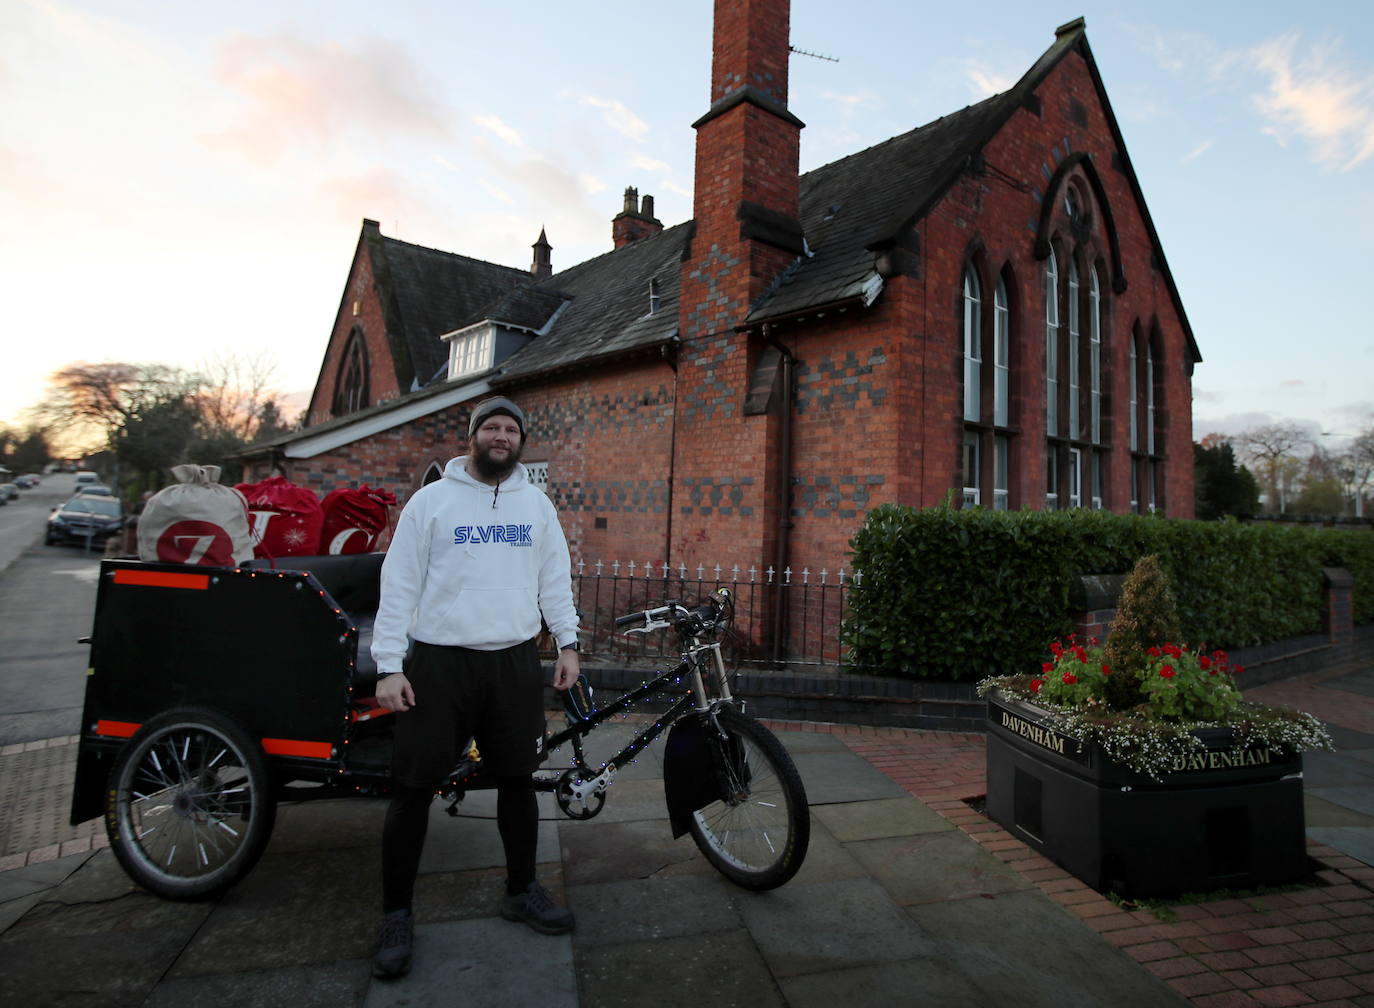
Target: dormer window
(469, 351)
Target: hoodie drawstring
(494, 491)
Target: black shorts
(496, 697)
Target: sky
(182, 181)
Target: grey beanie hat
(489, 407)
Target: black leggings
(407, 819)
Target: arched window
(973, 352)
(1074, 412)
(1147, 446)
(351, 385)
(433, 473)
(1001, 396)
(1051, 345)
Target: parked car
(95, 489)
(26, 482)
(85, 516)
(86, 476)
(8, 491)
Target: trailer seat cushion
(354, 581)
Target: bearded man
(477, 559)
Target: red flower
(1237, 669)
(1070, 678)
(1056, 648)
(1211, 671)
(1106, 670)
(1081, 655)
(1094, 641)
(1047, 667)
(1204, 662)
(1173, 651)
(1167, 671)
(1036, 684)
(1153, 652)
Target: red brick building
(980, 307)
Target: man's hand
(395, 693)
(566, 670)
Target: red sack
(284, 519)
(353, 519)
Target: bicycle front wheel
(756, 833)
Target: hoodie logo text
(511, 535)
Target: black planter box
(1227, 817)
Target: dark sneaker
(536, 908)
(395, 945)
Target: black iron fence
(782, 619)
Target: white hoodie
(474, 565)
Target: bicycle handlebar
(718, 608)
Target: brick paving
(1310, 946)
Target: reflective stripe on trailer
(295, 747)
(272, 746)
(161, 579)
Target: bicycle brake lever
(649, 627)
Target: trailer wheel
(189, 807)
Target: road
(47, 598)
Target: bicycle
(728, 780)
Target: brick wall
(360, 310)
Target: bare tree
(1357, 466)
(234, 393)
(1274, 451)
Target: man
(477, 558)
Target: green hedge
(967, 594)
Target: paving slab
(804, 929)
(1318, 811)
(934, 866)
(83, 944)
(827, 860)
(639, 910)
(489, 963)
(1355, 841)
(884, 817)
(595, 851)
(843, 777)
(1336, 769)
(921, 980)
(292, 909)
(1020, 948)
(722, 970)
(1357, 799)
(471, 840)
(326, 985)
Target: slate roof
(429, 293)
(850, 211)
(607, 309)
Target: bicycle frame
(689, 665)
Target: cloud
(983, 81)
(1325, 100)
(648, 164)
(290, 90)
(618, 117)
(1196, 152)
(498, 193)
(495, 125)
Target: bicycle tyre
(757, 834)
(189, 807)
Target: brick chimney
(748, 186)
(745, 233)
(636, 221)
(542, 266)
